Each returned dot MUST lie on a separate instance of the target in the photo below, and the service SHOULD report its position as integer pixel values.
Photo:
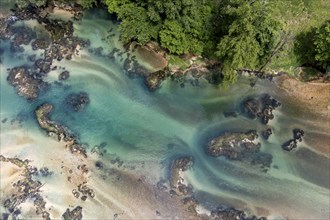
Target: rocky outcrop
(176, 181)
(64, 75)
(267, 133)
(233, 145)
(153, 80)
(231, 214)
(293, 143)
(240, 146)
(261, 107)
(25, 84)
(62, 133)
(75, 214)
(24, 189)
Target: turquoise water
(155, 127)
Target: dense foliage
(313, 47)
(238, 33)
(251, 36)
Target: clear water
(155, 127)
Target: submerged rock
(154, 80)
(26, 85)
(267, 133)
(77, 101)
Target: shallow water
(154, 127)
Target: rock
(77, 101)
(42, 65)
(176, 181)
(251, 108)
(231, 145)
(290, 145)
(64, 75)
(266, 133)
(261, 107)
(25, 84)
(293, 143)
(231, 214)
(23, 35)
(75, 214)
(298, 134)
(239, 146)
(40, 43)
(153, 80)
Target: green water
(155, 127)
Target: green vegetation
(279, 35)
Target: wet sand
(312, 98)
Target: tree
(322, 45)
(312, 47)
(250, 38)
(173, 38)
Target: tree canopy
(250, 38)
(313, 47)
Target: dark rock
(22, 35)
(64, 75)
(40, 43)
(231, 214)
(239, 146)
(43, 66)
(231, 145)
(44, 171)
(77, 101)
(153, 80)
(99, 165)
(298, 134)
(261, 107)
(290, 145)
(266, 133)
(75, 214)
(251, 107)
(26, 85)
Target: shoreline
(73, 175)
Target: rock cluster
(232, 145)
(26, 84)
(75, 214)
(261, 107)
(24, 189)
(231, 214)
(239, 146)
(292, 143)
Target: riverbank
(314, 99)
